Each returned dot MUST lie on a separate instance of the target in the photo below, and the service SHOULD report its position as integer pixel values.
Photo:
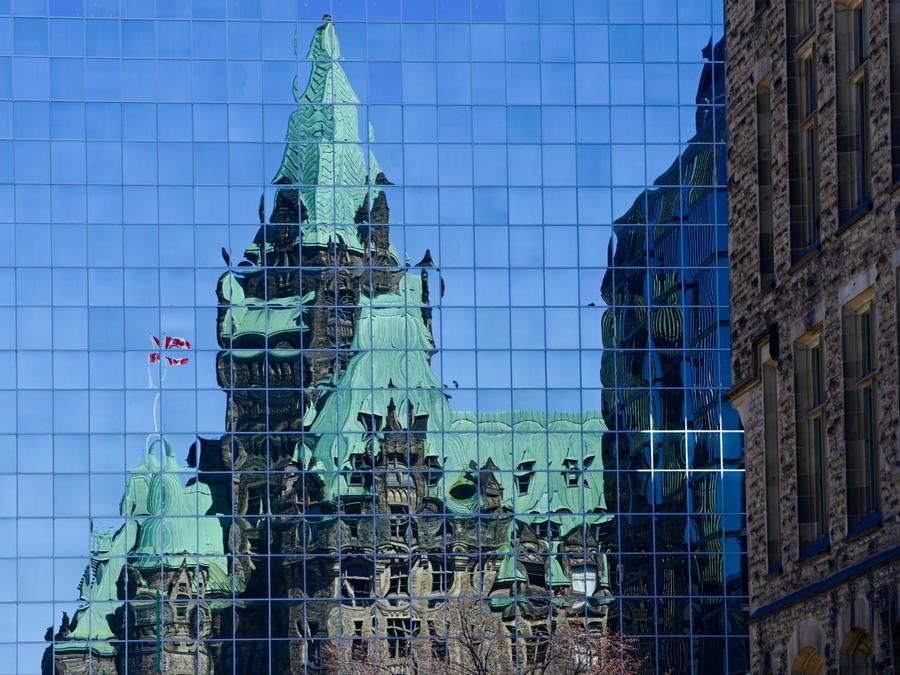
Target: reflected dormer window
(575, 474)
(396, 472)
(434, 471)
(360, 475)
(524, 475)
(356, 581)
(398, 580)
(547, 530)
(572, 472)
(584, 579)
(536, 574)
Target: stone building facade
(815, 251)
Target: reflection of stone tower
(666, 336)
(287, 320)
(393, 501)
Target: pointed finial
(324, 46)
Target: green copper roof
(109, 548)
(249, 316)
(175, 529)
(98, 593)
(555, 574)
(548, 463)
(162, 527)
(391, 368)
(323, 156)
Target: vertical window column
(851, 56)
(764, 185)
(894, 19)
(772, 457)
(802, 119)
(812, 470)
(860, 412)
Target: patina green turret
(177, 528)
(166, 527)
(323, 157)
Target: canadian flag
(169, 343)
(177, 343)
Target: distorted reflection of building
(347, 499)
(664, 372)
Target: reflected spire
(323, 156)
(325, 45)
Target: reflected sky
(136, 139)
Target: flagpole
(154, 343)
(158, 668)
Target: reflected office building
(673, 438)
(351, 513)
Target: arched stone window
(808, 662)
(858, 653)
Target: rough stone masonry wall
(864, 252)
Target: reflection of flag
(177, 343)
(167, 343)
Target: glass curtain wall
(334, 329)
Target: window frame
(764, 195)
(768, 368)
(803, 131)
(804, 15)
(894, 86)
(811, 439)
(398, 580)
(442, 575)
(852, 94)
(861, 384)
(355, 587)
(399, 634)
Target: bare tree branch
(474, 641)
